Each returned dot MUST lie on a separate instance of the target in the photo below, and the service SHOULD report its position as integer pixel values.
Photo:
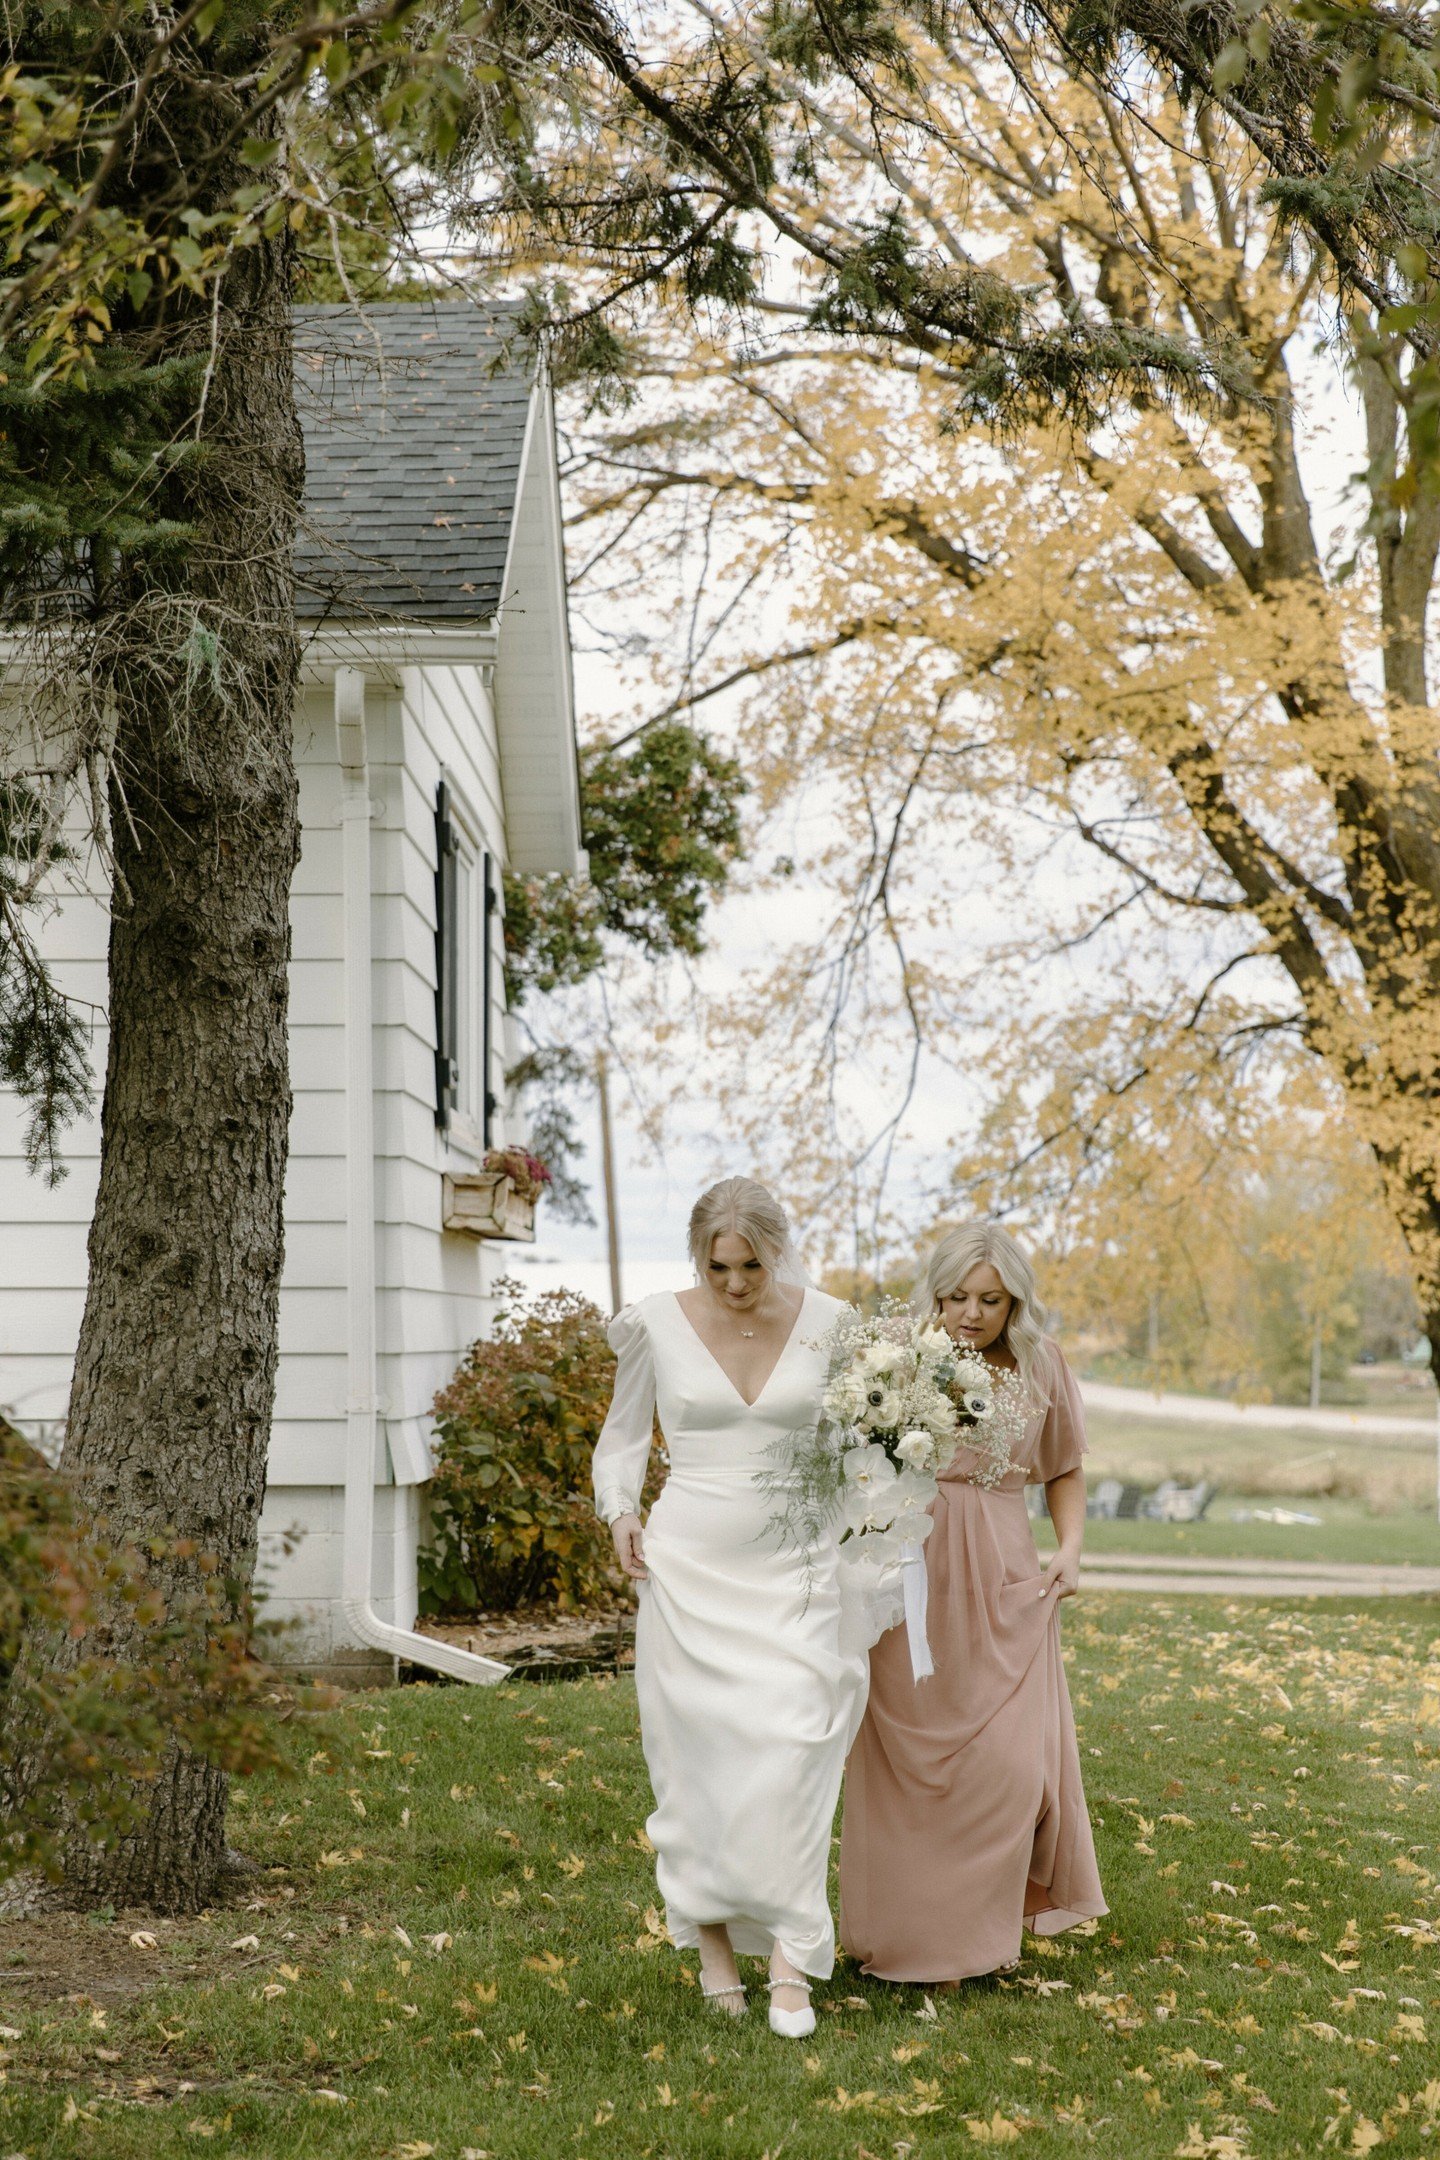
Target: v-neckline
(779, 1361)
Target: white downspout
(358, 1542)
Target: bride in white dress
(747, 1702)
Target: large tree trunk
(175, 1373)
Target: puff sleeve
(623, 1448)
(1060, 1444)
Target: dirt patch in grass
(53, 1956)
(536, 1637)
(67, 1957)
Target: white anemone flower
(881, 1408)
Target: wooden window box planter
(485, 1204)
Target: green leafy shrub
(511, 1512)
(82, 1730)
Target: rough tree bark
(175, 1372)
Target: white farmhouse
(434, 735)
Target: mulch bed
(541, 1644)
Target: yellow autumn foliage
(1109, 744)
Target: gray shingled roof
(414, 419)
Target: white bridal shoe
(791, 2024)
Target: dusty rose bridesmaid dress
(964, 1807)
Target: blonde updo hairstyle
(971, 1245)
(740, 1207)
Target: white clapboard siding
(44, 1228)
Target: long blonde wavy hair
(970, 1245)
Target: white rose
(940, 1415)
(916, 1450)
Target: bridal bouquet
(898, 1401)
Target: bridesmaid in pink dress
(965, 1812)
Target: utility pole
(607, 1165)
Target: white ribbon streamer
(915, 1586)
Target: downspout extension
(361, 1408)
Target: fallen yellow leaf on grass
(844, 2101)
(997, 2131)
(1366, 2135)
(1225, 2145)
(1408, 2026)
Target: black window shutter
(447, 963)
(487, 939)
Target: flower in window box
(527, 1174)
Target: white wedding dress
(748, 1702)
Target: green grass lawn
(1347, 1531)
(454, 1949)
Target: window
(465, 913)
